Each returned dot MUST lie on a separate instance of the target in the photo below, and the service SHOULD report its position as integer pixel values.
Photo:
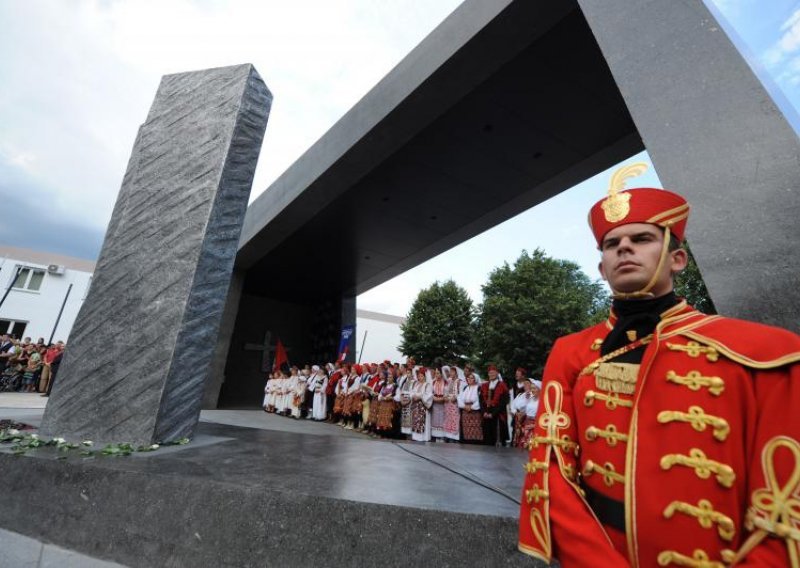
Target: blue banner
(344, 344)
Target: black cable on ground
(466, 475)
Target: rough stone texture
(140, 349)
(216, 375)
(716, 136)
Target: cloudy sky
(78, 78)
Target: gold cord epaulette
(741, 358)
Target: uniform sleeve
(773, 515)
(555, 520)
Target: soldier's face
(630, 255)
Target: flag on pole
(280, 357)
(344, 344)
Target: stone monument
(141, 347)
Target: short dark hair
(674, 243)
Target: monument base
(287, 493)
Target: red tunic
(496, 405)
(703, 457)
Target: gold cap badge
(617, 205)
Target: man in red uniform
(665, 437)
(494, 401)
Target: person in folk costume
(347, 382)
(524, 408)
(369, 391)
(438, 386)
(340, 394)
(384, 423)
(280, 397)
(421, 402)
(469, 401)
(308, 396)
(335, 373)
(359, 397)
(494, 401)
(311, 384)
(518, 386)
(468, 368)
(268, 396)
(290, 390)
(299, 399)
(403, 399)
(318, 384)
(352, 405)
(452, 414)
(683, 426)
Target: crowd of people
(28, 367)
(395, 400)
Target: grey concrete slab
(57, 557)
(19, 551)
(254, 496)
(140, 350)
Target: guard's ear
(679, 259)
(602, 271)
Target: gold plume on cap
(616, 206)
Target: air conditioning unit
(55, 269)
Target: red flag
(280, 357)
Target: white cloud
(84, 74)
(788, 43)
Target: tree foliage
(690, 285)
(439, 325)
(529, 305)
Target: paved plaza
(253, 449)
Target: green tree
(690, 285)
(439, 325)
(527, 306)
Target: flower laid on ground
(22, 442)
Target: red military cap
(491, 368)
(522, 370)
(639, 205)
(358, 369)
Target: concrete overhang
(503, 105)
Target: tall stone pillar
(141, 347)
(716, 136)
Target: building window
(15, 328)
(29, 279)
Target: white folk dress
(319, 410)
(421, 402)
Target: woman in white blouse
(470, 405)
(524, 407)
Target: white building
(43, 292)
(378, 337)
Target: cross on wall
(267, 349)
